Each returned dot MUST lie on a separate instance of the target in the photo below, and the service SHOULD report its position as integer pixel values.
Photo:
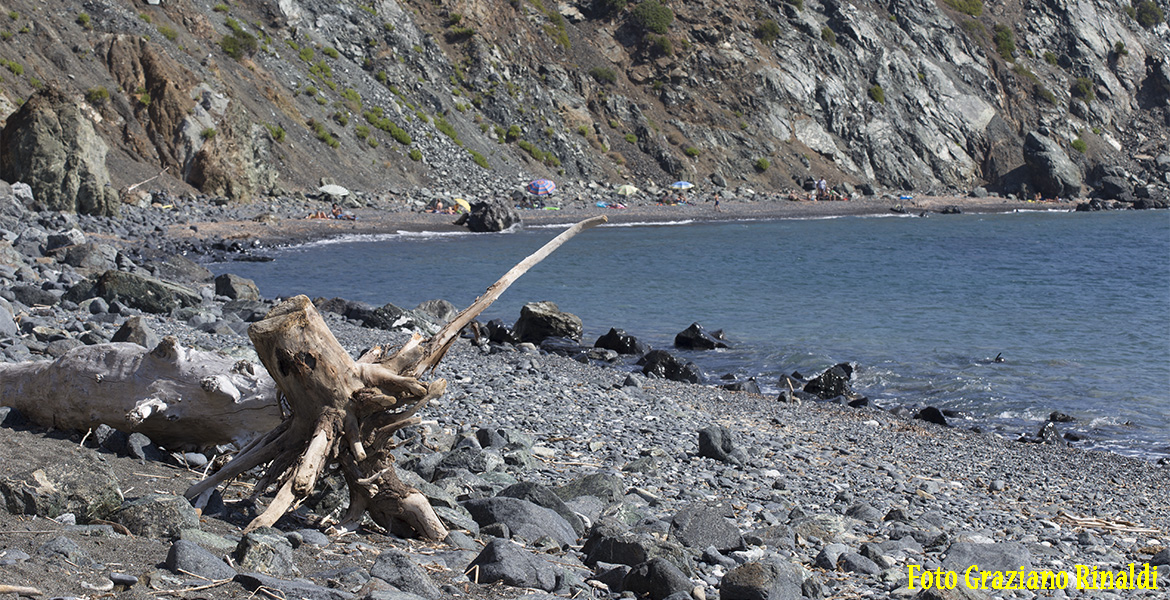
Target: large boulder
(1053, 173)
(523, 518)
(504, 561)
(235, 287)
(391, 318)
(763, 580)
(539, 320)
(486, 217)
(621, 342)
(51, 145)
(832, 383)
(137, 291)
(76, 481)
(157, 515)
(697, 338)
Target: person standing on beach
(822, 189)
(717, 199)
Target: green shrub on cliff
(768, 31)
(967, 7)
(1005, 42)
(877, 94)
(1083, 88)
(1148, 13)
(652, 16)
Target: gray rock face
(396, 568)
(268, 553)
(489, 217)
(699, 526)
(656, 577)
(79, 483)
(391, 317)
(92, 257)
(523, 518)
(1005, 556)
(51, 145)
(1053, 174)
(157, 516)
(504, 561)
(540, 320)
(716, 442)
(235, 287)
(137, 291)
(8, 326)
(762, 581)
(193, 558)
(609, 488)
(544, 497)
(135, 330)
(291, 589)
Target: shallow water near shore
(1076, 303)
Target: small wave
(650, 223)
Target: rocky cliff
(242, 98)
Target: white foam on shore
(381, 237)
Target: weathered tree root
(346, 411)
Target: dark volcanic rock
(762, 581)
(608, 488)
(540, 320)
(832, 383)
(697, 338)
(660, 363)
(621, 342)
(396, 568)
(235, 287)
(523, 518)
(700, 526)
(79, 482)
(138, 291)
(657, 578)
(544, 497)
(291, 589)
(135, 330)
(266, 551)
(491, 217)
(716, 442)
(504, 561)
(193, 558)
(157, 515)
(931, 414)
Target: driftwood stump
(346, 411)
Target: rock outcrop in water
(250, 98)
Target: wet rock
(697, 338)
(157, 516)
(504, 561)
(540, 320)
(662, 364)
(832, 383)
(931, 414)
(621, 342)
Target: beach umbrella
(682, 185)
(541, 187)
(627, 190)
(463, 204)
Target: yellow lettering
(967, 577)
(997, 583)
(910, 570)
(1106, 580)
(1083, 578)
(1034, 580)
(1011, 582)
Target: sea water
(1077, 305)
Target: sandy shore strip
(271, 230)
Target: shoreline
(271, 230)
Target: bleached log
(181, 398)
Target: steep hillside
(251, 97)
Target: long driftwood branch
(344, 411)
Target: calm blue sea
(1077, 303)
